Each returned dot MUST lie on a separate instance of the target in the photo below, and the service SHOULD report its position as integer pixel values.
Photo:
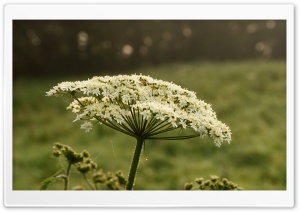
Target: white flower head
(87, 126)
(141, 106)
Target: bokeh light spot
(33, 37)
(259, 46)
(187, 32)
(127, 50)
(148, 41)
(82, 40)
(270, 24)
(251, 28)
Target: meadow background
(245, 86)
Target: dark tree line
(51, 47)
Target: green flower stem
(67, 176)
(134, 119)
(163, 131)
(174, 137)
(135, 163)
(155, 126)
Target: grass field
(249, 96)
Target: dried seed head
(83, 168)
(85, 154)
(188, 186)
(56, 153)
(199, 180)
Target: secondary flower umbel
(142, 107)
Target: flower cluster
(82, 160)
(113, 181)
(84, 165)
(214, 183)
(141, 106)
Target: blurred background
(76, 47)
(238, 66)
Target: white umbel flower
(141, 106)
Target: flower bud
(188, 186)
(58, 146)
(85, 154)
(56, 153)
(83, 168)
(199, 180)
(99, 177)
